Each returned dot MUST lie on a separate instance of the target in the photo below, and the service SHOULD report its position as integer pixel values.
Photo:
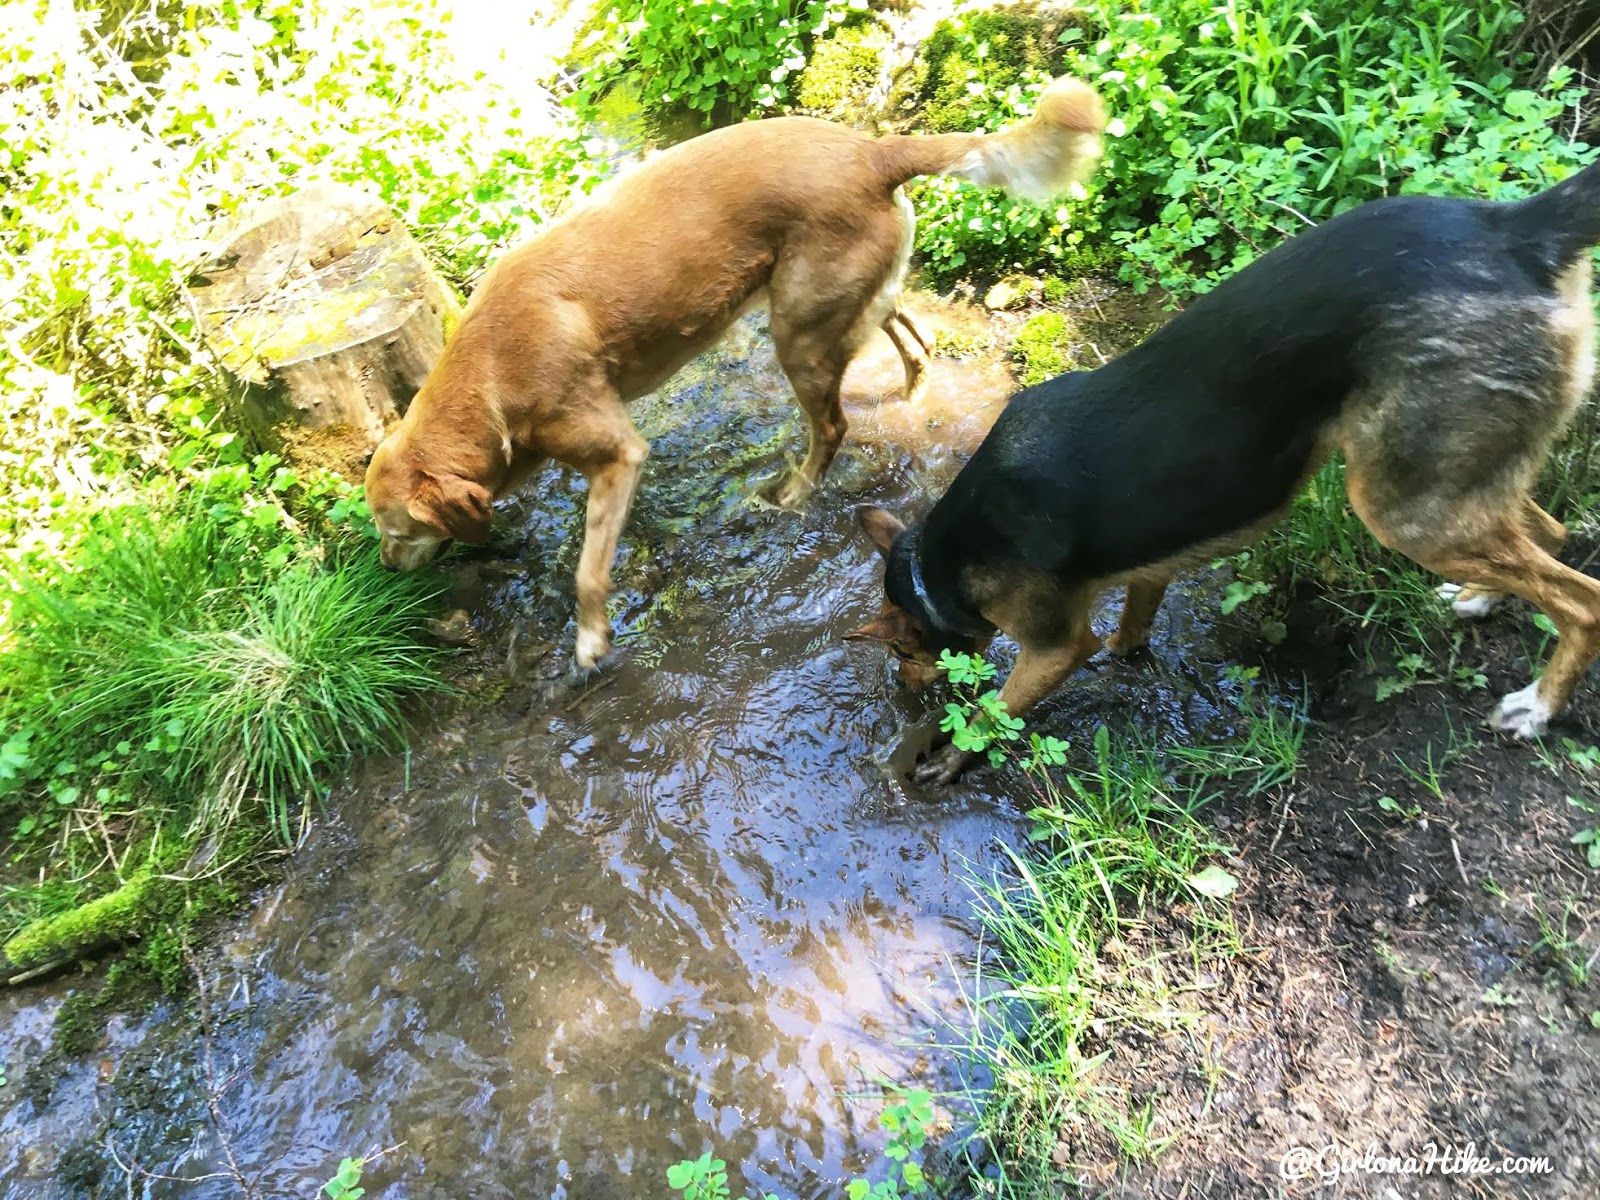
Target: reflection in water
(595, 928)
(584, 934)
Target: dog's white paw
(1468, 602)
(593, 645)
(1522, 714)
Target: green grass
(1109, 925)
(184, 672)
(1071, 927)
(163, 665)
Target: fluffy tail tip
(1073, 105)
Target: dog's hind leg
(815, 366)
(600, 441)
(1471, 601)
(1139, 608)
(1505, 557)
(1037, 673)
(827, 296)
(915, 347)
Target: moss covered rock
(1042, 348)
(986, 50)
(841, 81)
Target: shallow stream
(588, 928)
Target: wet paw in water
(922, 754)
(788, 489)
(942, 766)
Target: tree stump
(327, 318)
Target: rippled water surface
(589, 928)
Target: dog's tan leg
(599, 440)
(1138, 611)
(915, 348)
(1037, 673)
(1507, 558)
(1547, 533)
(823, 294)
(815, 366)
(1472, 600)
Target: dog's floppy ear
(459, 508)
(879, 524)
(893, 624)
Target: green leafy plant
(977, 721)
(728, 56)
(1240, 592)
(1237, 124)
(1589, 837)
(1585, 758)
(345, 1183)
(907, 1119)
(1407, 812)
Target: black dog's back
(1208, 428)
(1440, 345)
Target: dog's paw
(789, 490)
(1469, 602)
(941, 767)
(1523, 714)
(593, 645)
(1119, 645)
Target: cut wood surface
(327, 318)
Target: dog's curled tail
(1035, 159)
(1563, 221)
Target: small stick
(1283, 819)
(1456, 851)
(604, 683)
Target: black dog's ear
(879, 524)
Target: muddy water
(591, 927)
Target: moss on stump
(328, 318)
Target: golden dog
(609, 302)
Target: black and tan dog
(1440, 344)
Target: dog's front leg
(611, 487)
(1138, 611)
(1038, 672)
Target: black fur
(1208, 427)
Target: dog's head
(417, 511)
(916, 661)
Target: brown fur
(607, 304)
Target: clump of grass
(1077, 963)
(1107, 926)
(314, 674)
(184, 668)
